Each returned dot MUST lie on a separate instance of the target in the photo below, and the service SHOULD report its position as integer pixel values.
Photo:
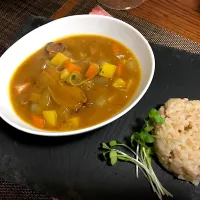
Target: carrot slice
(92, 70)
(93, 50)
(115, 48)
(119, 69)
(38, 121)
(71, 67)
(21, 88)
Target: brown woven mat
(153, 33)
(9, 191)
(14, 12)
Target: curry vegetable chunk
(74, 83)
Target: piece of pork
(54, 47)
(70, 97)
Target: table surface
(49, 166)
(179, 16)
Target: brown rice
(177, 142)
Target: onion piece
(45, 100)
(75, 78)
(34, 96)
(101, 101)
(103, 60)
(63, 114)
(46, 64)
(120, 56)
(131, 63)
(64, 74)
(36, 109)
(129, 84)
(87, 85)
(100, 80)
(24, 99)
(83, 56)
(67, 53)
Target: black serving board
(69, 167)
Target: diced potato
(107, 70)
(64, 74)
(50, 117)
(74, 122)
(118, 83)
(59, 59)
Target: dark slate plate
(69, 167)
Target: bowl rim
(40, 132)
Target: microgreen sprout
(141, 146)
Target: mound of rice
(177, 142)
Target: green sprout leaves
(142, 149)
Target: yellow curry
(74, 83)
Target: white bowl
(80, 24)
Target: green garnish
(73, 76)
(141, 146)
(100, 69)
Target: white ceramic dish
(80, 24)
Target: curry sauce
(75, 82)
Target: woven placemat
(153, 33)
(10, 191)
(14, 12)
